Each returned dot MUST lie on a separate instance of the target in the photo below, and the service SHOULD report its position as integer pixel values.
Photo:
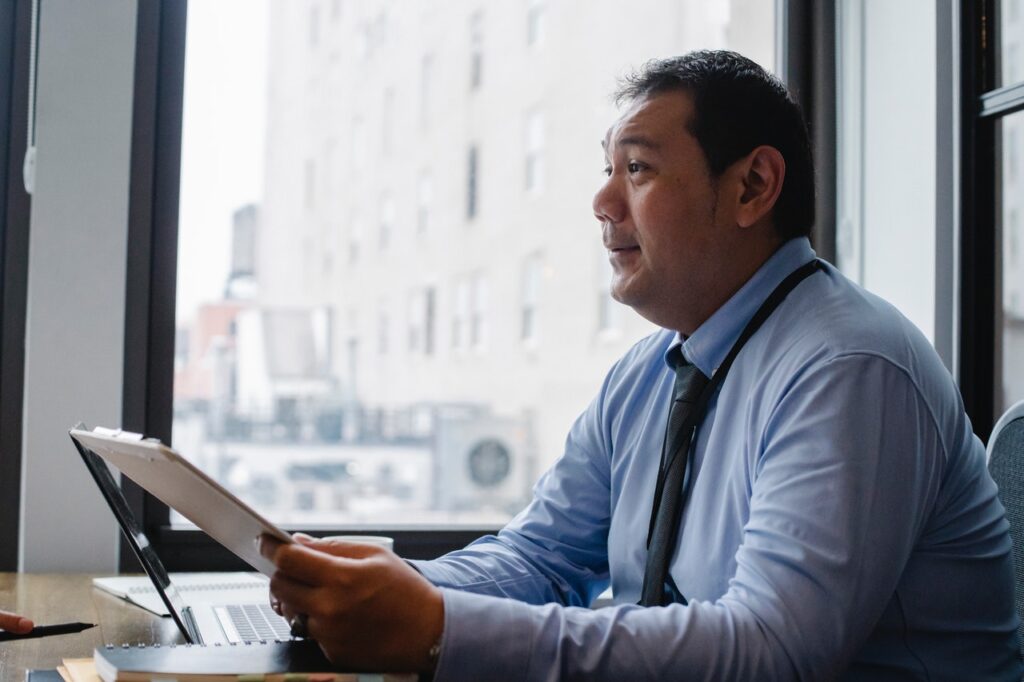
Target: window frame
(152, 264)
(983, 105)
(15, 205)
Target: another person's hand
(12, 622)
(366, 607)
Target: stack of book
(294, 661)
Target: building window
(355, 239)
(314, 26)
(535, 23)
(422, 315)
(387, 122)
(472, 163)
(387, 222)
(478, 312)
(608, 309)
(533, 270)
(535, 152)
(358, 141)
(429, 315)
(460, 315)
(424, 199)
(426, 79)
(309, 184)
(476, 50)
(383, 327)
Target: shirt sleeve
(556, 549)
(850, 462)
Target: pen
(47, 630)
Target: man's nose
(609, 206)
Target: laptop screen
(181, 613)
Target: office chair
(1005, 454)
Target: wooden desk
(67, 598)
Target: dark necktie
(668, 497)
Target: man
(837, 520)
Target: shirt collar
(708, 345)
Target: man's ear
(761, 173)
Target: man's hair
(738, 106)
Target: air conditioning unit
(482, 462)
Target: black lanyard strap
(684, 437)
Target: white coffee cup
(378, 540)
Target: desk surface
(67, 598)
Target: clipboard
(184, 487)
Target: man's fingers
(312, 566)
(343, 548)
(12, 622)
(295, 597)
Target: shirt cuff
(475, 623)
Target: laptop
(214, 613)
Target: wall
(76, 285)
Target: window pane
(1010, 55)
(390, 310)
(1010, 379)
(885, 223)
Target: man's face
(659, 214)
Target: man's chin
(627, 294)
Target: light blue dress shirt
(842, 523)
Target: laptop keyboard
(252, 623)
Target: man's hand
(12, 622)
(366, 607)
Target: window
(1010, 385)
(421, 321)
(387, 222)
(471, 183)
(478, 311)
(387, 121)
(535, 152)
(1010, 38)
(460, 316)
(366, 342)
(532, 275)
(476, 50)
(309, 177)
(886, 154)
(426, 77)
(991, 344)
(608, 309)
(383, 327)
(355, 239)
(358, 140)
(424, 199)
(535, 23)
(314, 26)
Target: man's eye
(607, 170)
(635, 167)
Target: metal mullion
(977, 234)
(1001, 101)
(152, 241)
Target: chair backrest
(1006, 464)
